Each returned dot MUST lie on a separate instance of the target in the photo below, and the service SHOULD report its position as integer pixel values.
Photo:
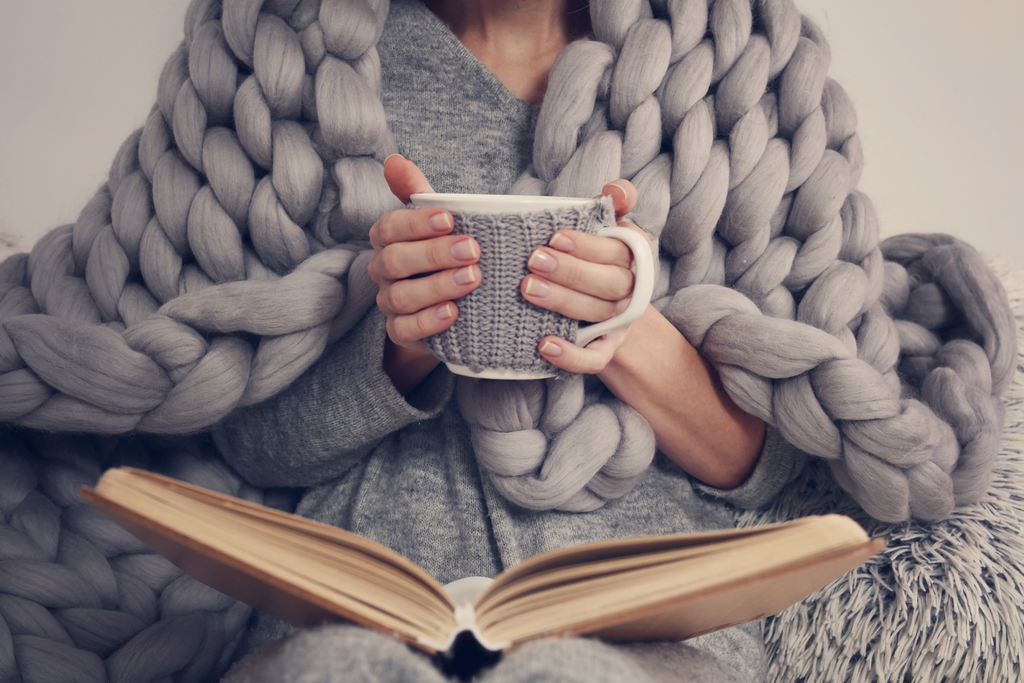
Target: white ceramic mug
(497, 332)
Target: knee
(335, 653)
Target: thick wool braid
(83, 600)
(144, 296)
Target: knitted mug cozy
(497, 329)
(229, 246)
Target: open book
(654, 588)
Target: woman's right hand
(420, 269)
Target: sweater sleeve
(329, 418)
(779, 464)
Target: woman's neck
(517, 40)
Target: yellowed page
(588, 597)
(296, 569)
(598, 551)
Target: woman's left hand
(648, 365)
(588, 278)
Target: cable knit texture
(229, 247)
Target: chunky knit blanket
(229, 245)
(228, 248)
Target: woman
(375, 431)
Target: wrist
(640, 341)
(697, 425)
(405, 366)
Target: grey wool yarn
(81, 599)
(228, 248)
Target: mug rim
(494, 203)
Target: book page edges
(614, 548)
(301, 525)
(464, 592)
(256, 586)
(717, 607)
(244, 581)
(446, 646)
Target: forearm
(697, 425)
(259, 444)
(330, 417)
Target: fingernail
(537, 287)
(440, 222)
(443, 312)
(542, 262)
(551, 349)
(618, 185)
(464, 276)
(561, 242)
(396, 154)
(464, 250)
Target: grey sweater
(400, 470)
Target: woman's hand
(648, 365)
(588, 278)
(419, 269)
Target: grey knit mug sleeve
(497, 332)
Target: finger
(406, 297)
(569, 302)
(408, 330)
(404, 177)
(405, 259)
(409, 225)
(602, 280)
(589, 360)
(624, 196)
(590, 248)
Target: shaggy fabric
(944, 602)
(228, 246)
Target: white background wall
(938, 84)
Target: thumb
(624, 196)
(404, 177)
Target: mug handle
(643, 285)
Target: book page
(284, 520)
(722, 606)
(299, 570)
(591, 594)
(625, 547)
